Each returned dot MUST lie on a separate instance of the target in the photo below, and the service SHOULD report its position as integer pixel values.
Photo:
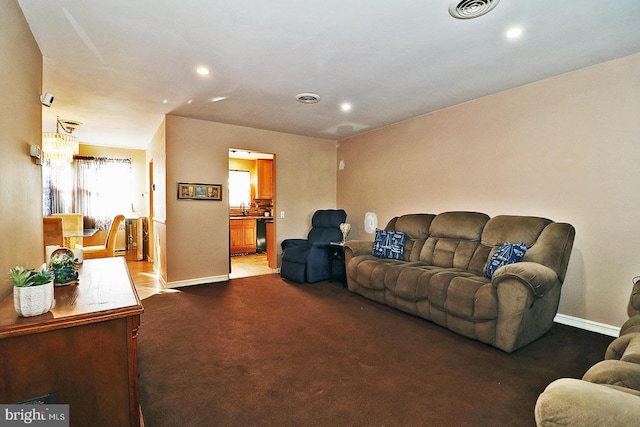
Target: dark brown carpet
(260, 351)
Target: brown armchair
(109, 248)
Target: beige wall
(197, 232)
(20, 127)
(566, 148)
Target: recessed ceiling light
(203, 71)
(345, 107)
(308, 98)
(218, 98)
(514, 33)
(165, 101)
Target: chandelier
(60, 147)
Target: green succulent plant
(65, 268)
(23, 277)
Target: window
(98, 188)
(239, 188)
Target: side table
(336, 263)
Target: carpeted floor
(260, 351)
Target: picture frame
(199, 191)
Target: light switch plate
(35, 151)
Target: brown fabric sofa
(441, 276)
(609, 392)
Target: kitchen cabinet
(243, 235)
(265, 179)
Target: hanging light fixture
(60, 147)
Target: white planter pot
(33, 300)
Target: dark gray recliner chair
(309, 260)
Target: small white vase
(33, 300)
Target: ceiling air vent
(307, 98)
(468, 9)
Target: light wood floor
(144, 278)
(147, 282)
(249, 265)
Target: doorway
(251, 203)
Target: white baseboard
(198, 281)
(588, 325)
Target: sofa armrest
(569, 401)
(358, 247)
(537, 277)
(625, 347)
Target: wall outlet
(281, 214)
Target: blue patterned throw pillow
(389, 244)
(507, 253)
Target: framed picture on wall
(195, 191)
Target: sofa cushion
(459, 225)
(509, 228)
(453, 239)
(507, 253)
(472, 298)
(416, 230)
(463, 295)
(370, 271)
(415, 226)
(411, 280)
(389, 244)
(448, 253)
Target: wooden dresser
(83, 352)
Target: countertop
(250, 217)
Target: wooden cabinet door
(237, 235)
(249, 234)
(265, 179)
(243, 235)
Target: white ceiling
(119, 66)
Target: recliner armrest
(537, 277)
(321, 245)
(287, 243)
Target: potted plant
(32, 290)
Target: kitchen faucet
(243, 207)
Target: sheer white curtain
(57, 187)
(99, 188)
